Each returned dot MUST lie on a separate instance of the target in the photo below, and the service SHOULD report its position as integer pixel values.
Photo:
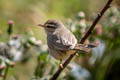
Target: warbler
(61, 42)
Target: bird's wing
(63, 41)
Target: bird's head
(51, 25)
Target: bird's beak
(41, 25)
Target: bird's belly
(61, 55)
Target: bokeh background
(29, 13)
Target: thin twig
(6, 72)
(55, 76)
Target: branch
(55, 76)
(6, 72)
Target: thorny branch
(55, 76)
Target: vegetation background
(29, 13)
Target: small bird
(61, 42)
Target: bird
(61, 42)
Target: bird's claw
(61, 65)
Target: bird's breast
(61, 55)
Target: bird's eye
(50, 26)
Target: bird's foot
(61, 65)
(77, 54)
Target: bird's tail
(84, 47)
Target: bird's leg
(61, 65)
(77, 54)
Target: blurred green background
(29, 13)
